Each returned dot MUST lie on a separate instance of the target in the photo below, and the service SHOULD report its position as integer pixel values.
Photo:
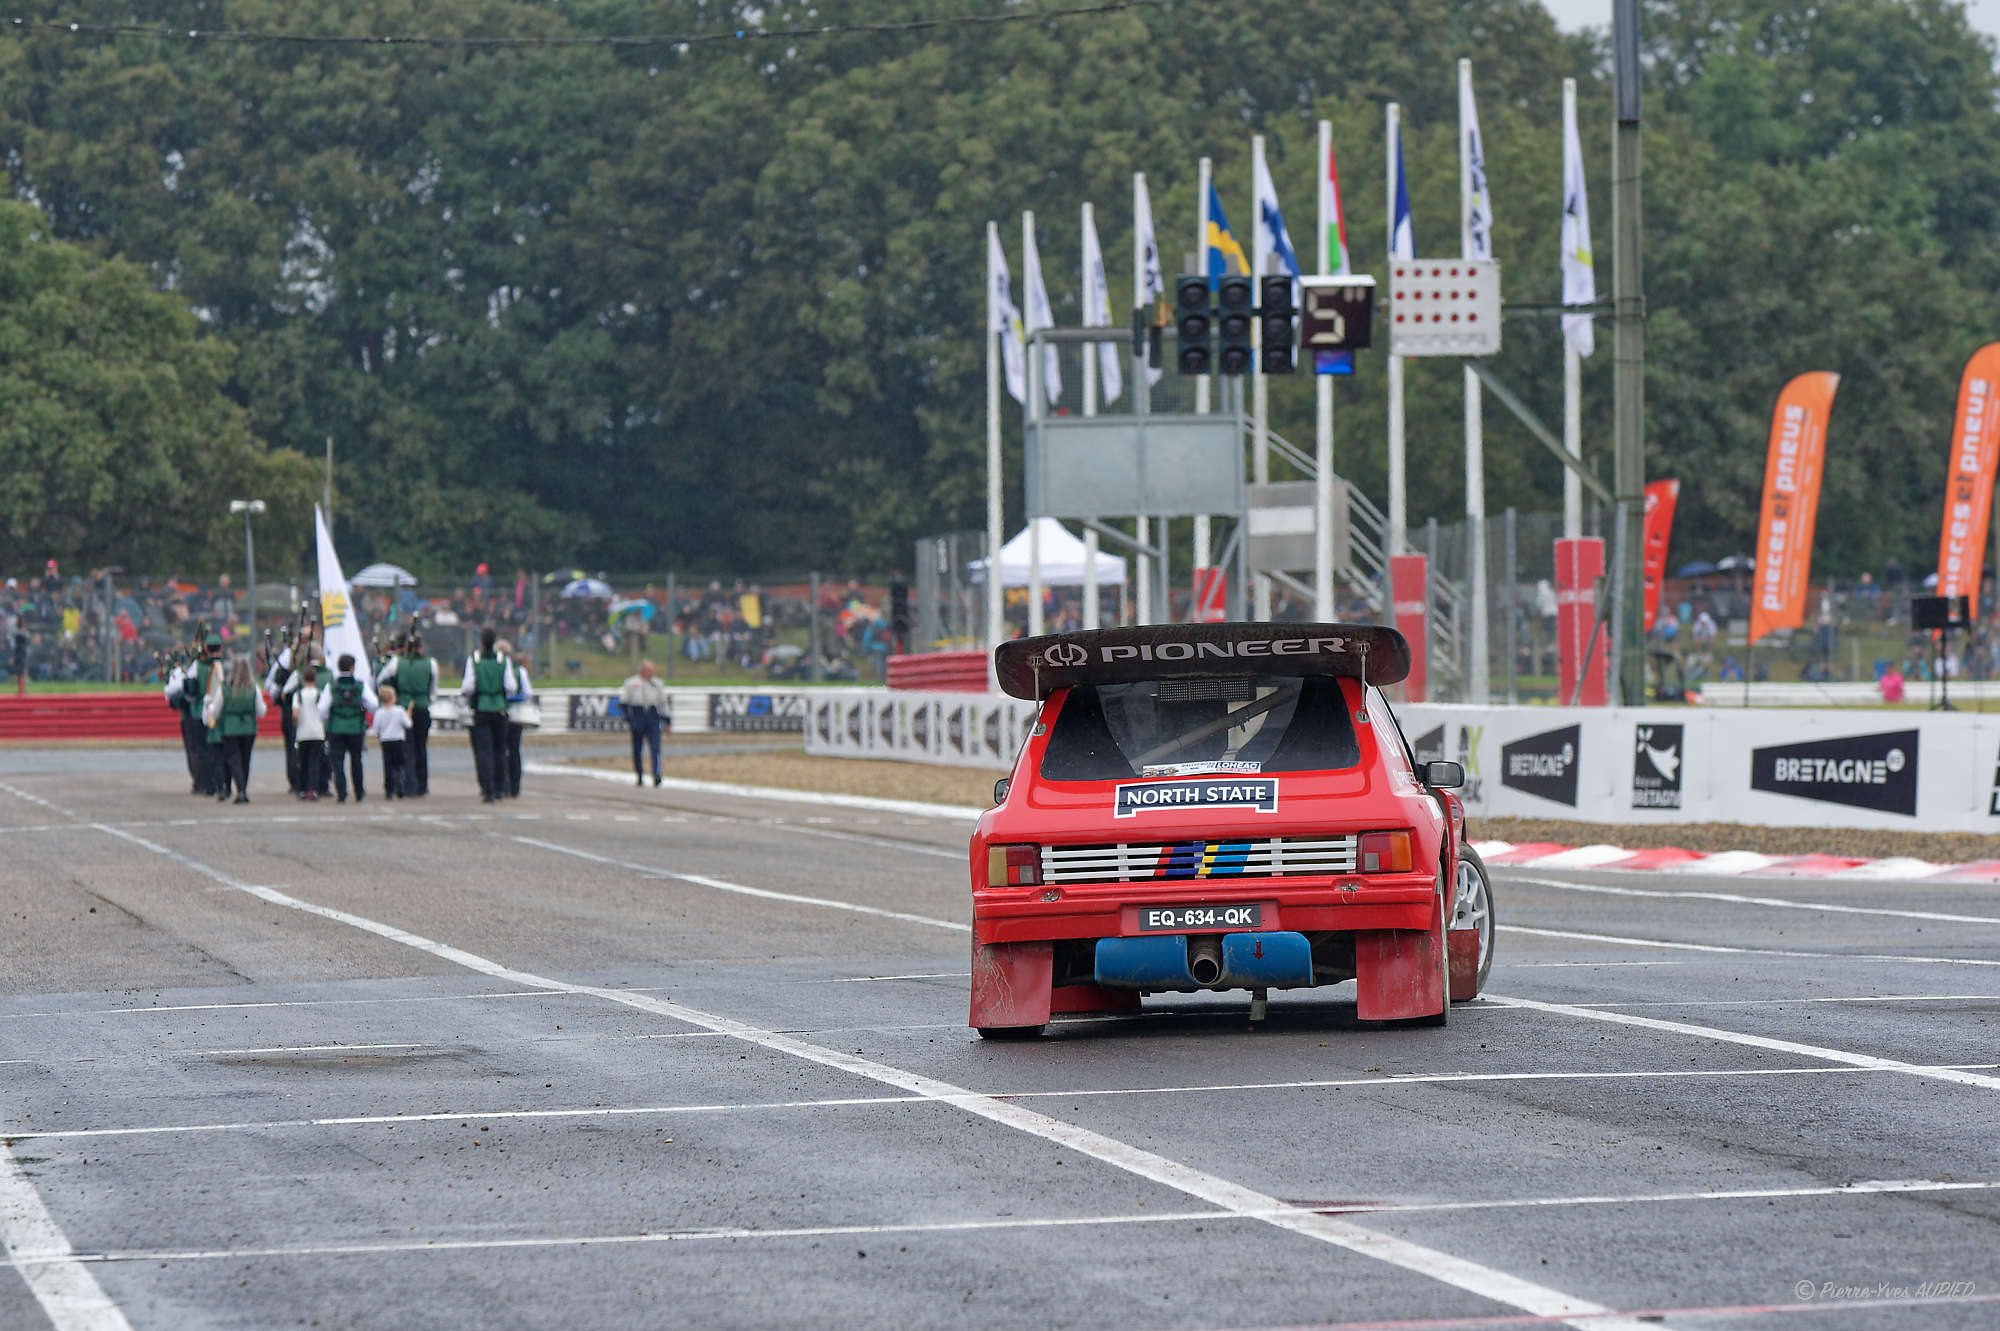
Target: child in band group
(391, 727)
(311, 732)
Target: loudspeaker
(1940, 612)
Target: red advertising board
(1409, 590)
(1211, 596)
(1791, 502)
(1968, 497)
(1579, 564)
(1661, 497)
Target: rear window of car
(1169, 727)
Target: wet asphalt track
(610, 1058)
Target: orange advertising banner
(1791, 502)
(1968, 489)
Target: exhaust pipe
(1205, 958)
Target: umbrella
(1695, 569)
(645, 608)
(596, 587)
(1735, 563)
(384, 575)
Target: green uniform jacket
(239, 713)
(413, 683)
(347, 714)
(489, 685)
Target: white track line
(1867, 1188)
(1727, 863)
(849, 1102)
(719, 885)
(1737, 899)
(1622, 940)
(1461, 1273)
(955, 812)
(288, 1002)
(1958, 1075)
(69, 1294)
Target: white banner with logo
(1800, 767)
(1785, 768)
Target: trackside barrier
(145, 715)
(941, 672)
(1799, 767)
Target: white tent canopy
(384, 575)
(1062, 558)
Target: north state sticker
(1169, 796)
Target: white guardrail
(1798, 767)
(691, 711)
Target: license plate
(1180, 919)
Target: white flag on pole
(1040, 313)
(1004, 317)
(1476, 203)
(1578, 278)
(1097, 312)
(340, 627)
(1154, 285)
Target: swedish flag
(1225, 255)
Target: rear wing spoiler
(1033, 668)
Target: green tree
(118, 443)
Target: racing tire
(1442, 1017)
(1472, 906)
(1010, 1032)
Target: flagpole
(1572, 375)
(994, 594)
(1032, 412)
(1323, 413)
(1090, 608)
(1398, 495)
(1475, 442)
(1142, 586)
(1201, 384)
(1260, 398)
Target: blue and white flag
(1477, 205)
(1402, 235)
(1003, 317)
(1579, 279)
(1152, 280)
(1041, 314)
(1097, 310)
(1270, 220)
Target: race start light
(1444, 307)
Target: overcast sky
(1572, 14)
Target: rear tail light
(1013, 866)
(1385, 852)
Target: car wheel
(1472, 906)
(1010, 1032)
(1442, 1017)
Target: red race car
(1220, 806)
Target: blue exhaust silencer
(1156, 961)
(1280, 959)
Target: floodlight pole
(1628, 660)
(249, 508)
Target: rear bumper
(1300, 905)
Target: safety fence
(1777, 767)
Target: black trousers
(236, 762)
(489, 752)
(350, 747)
(214, 768)
(290, 728)
(193, 739)
(312, 763)
(514, 760)
(420, 752)
(645, 735)
(395, 768)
